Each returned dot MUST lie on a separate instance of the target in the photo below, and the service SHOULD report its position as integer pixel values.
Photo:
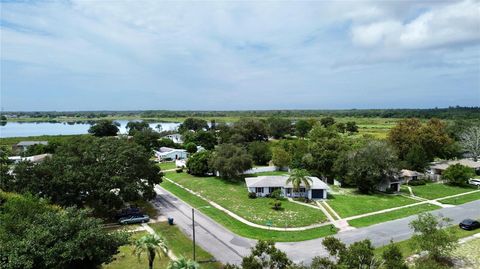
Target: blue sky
(135, 55)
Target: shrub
(417, 182)
(276, 194)
(252, 195)
(276, 205)
(179, 170)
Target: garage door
(317, 194)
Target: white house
(165, 153)
(34, 159)
(265, 185)
(176, 138)
(23, 145)
(437, 168)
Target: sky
(226, 55)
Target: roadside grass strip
(233, 196)
(125, 259)
(181, 245)
(347, 205)
(242, 229)
(470, 197)
(392, 215)
(432, 191)
(407, 248)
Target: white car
(474, 181)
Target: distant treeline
(442, 113)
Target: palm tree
(183, 263)
(297, 177)
(152, 244)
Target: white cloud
(443, 26)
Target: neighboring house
(34, 159)
(437, 168)
(23, 145)
(165, 153)
(409, 175)
(265, 185)
(176, 138)
(392, 184)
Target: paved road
(229, 248)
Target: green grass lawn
(437, 190)
(178, 243)
(461, 199)
(396, 214)
(243, 229)
(352, 204)
(167, 166)
(181, 245)
(126, 260)
(234, 196)
(408, 249)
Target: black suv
(469, 224)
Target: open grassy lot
(351, 203)
(167, 165)
(234, 196)
(243, 229)
(10, 141)
(437, 190)
(396, 214)
(181, 245)
(178, 243)
(461, 199)
(469, 252)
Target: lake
(23, 129)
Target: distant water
(23, 129)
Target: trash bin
(170, 221)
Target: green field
(461, 199)
(167, 166)
(353, 203)
(396, 214)
(243, 229)
(177, 242)
(234, 197)
(437, 190)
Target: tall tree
(302, 127)
(393, 257)
(202, 138)
(470, 141)
(351, 127)
(279, 127)
(457, 174)
(369, 166)
(198, 163)
(280, 157)
(260, 152)
(431, 237)
(327, 122)
(193, 124)
(230, 161)
(35, 234)
(266, 255)
(251, 129)
(151, 244)
(147, 138)
(101, 174)
(432, 137)
(136, 126)
(298, 177)
(104, 128)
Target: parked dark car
(469, 224)
(128, 212)
(134, 219)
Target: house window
(259, 190)
(271, 189)
(302, 189)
